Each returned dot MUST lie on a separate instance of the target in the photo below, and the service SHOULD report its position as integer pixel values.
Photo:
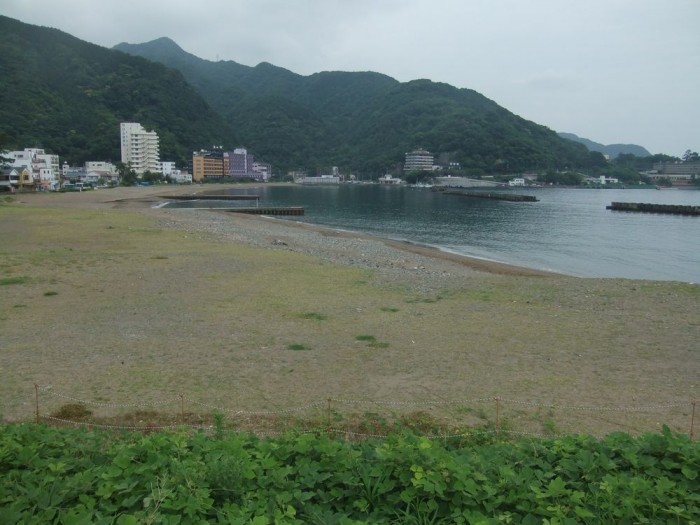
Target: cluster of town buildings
(32, 169)
(217, 164)
(679, 173)
(417, 160)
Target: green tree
(416, 176)
(151, 177)
(566, 178)
(690, 156)
(127, 175)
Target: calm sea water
(568, 231)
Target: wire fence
(366, 418)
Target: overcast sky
(613, 71)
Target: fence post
(182, 409)
(692, 419)
(36, 396)
(328, 416)
(498, 421)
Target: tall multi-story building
(140, 148)
(419, 160)
(212, 164)
(241, 162)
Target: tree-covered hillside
(69, 96)
(364, 121)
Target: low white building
(388, 179)
(323, 179)
(518, 181)
(106, 168)
(263, 169)
(93, 173)
(180, 177)
(166, 167)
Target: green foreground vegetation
(72, 475)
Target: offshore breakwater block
(268, 211)
(642, 207)
(494, 196)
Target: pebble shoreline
(421, 273)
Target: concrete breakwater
(212, 197)
(293, 210)
(512, 197)
(641, 207)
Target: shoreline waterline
(425, 250)
(484, 253)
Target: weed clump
(313, 315)
(72, 412)
(19, 279)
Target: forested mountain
(364, 121)
(613, 150)
(69, 96)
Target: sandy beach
(110, 300)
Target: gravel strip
(391, 265)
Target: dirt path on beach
(109, 300)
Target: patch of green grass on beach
(297, 347)
(425, 300)
(313, 315)
(389, 309)
(371, 341)
(19, 279)
(50, 293)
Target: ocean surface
(568, 231)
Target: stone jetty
(499, 196)
(642, 207)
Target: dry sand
(109, 300)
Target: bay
(568, 231)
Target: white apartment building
(140, 148)
(419, 160)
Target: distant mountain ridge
(363, 121)
(612, 150)
(69, 96)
